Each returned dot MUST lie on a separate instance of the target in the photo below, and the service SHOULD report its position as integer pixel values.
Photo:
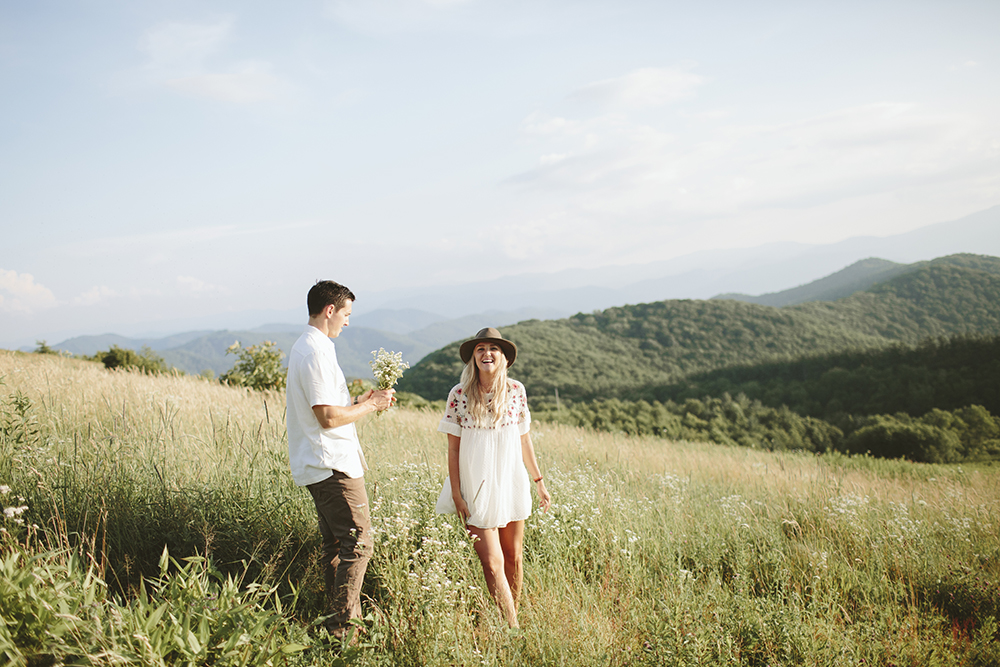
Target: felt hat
(489, 334)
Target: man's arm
(332, 416)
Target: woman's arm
(531, 463)
(454, 443)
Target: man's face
(339, 319)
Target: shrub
(144, 360)
(890, 437)
(259, 367)
(43, 348)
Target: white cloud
(616, 164)
(192, 285)
(20, 293)
(632, 187)
(254, 82)
(96, 295)
(179, 55)
(644, 88)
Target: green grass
(653, 553)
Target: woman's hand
(461, 507)
(544, 499)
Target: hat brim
(509, 349)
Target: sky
(163, 161)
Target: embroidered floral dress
(494, 482)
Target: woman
(490, 456)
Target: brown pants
(342, 507)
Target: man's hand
(332, 416)
(382, 400)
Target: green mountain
(858, 276)
(620, 350)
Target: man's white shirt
(315, 378)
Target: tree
(258, 367)
(43, 348)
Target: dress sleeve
(453, 412)
(521, 406)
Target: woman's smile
(488, 356)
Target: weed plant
(653, 552)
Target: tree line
(970, 433)
(945, 373)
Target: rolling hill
(620, 350)
(856, 277)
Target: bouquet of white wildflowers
(387, 367)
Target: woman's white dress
(494, 481)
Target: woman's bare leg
(487, 545)
(512, 544)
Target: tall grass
(652, 553)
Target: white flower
(387, 367)
(14, 513)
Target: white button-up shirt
(315, 378)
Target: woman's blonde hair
(482, 414)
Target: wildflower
(14, 514)
(387, 367)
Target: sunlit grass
(653, 552)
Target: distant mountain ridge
(860, 322)
(857, 277)
(764, 269)
(622, 349)
(198, 351)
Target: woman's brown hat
(489, 334)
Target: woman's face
(488, 357)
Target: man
(324, 451)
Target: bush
(43, 348)
(259, 367)
(891, 437)
(144, 360)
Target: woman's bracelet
(538, 479)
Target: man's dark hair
(325, 293)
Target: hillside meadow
(654, 552)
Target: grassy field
(654, 553)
